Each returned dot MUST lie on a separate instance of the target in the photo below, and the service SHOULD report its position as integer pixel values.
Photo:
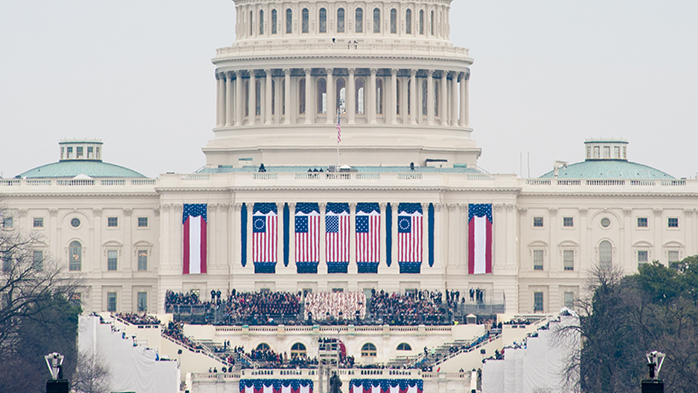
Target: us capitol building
(388, 72)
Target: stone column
(287, 96)
(239, 111)
(464, 100)
(280, 238)
(291, 236)
(393, 96)
(353, 267)
(250, 228)
(220, 100)
(454, 100)
(351, 97)
(443, 105)
(395, 267)
(331, 106)
(267, 98)
(229, 101)
(413, 97)
(371, 97)
(252, 99)
(322, 257)
(308, 92)
(430, 97)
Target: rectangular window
(274, 21)
(113, 222)
(359, 21)
(90, 152)
(8, 222)
(569, 300)
(6, 261)
(642, 222)
(537, 259)
(76, 299)
(78, 152)
(70, 152)
(568, 222)
(606, 152)
(142, 301)
(289, 21)
(38, 259)
(142, 222)
(673, 222)
(38, 222)
(568, 259)
(111, 301)
(142, 260)
(112, 259)
(616, 152)
(642, 257)
(673, 259)
(597, 153)
(537, 301)
(538, 222)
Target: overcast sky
(547, 75)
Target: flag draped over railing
(386, 386)
(480, 238)
(337, 230)
(410, 229)
(368, 236)
(276, 386)
(265, 237)
(194, 225)
(307, 228)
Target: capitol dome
(606, 159)
(385, 70)
(80, 157)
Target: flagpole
(338, 139)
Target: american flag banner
(194, 223)
(276, 386)
(410, 231)
(386, 386)
(337, 237)
(368, 236)
(339, 128)
(480, 239)
(307, 228)
(264, 237)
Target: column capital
(383, 205)
(452, 206)
(431, 73)
(237, 207)
(166, 208)
(287, 71)
(413, 72)
(329, 71)
(219, 75)
(267, 71)
(394, 71)
(467, 75)
(351, 71)
(374, 71)
(230, 75)
(213, 207)
(224, 206)
(658, 212)
(322, 206)
(128, 212)
(308, 71)
(156, 212)
(292, 206)
(178, 208)
(252, 73)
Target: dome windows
(274, 21)
(323, 20)
(393, 21)
(340, 20)
(359, 20)
(376, 21)
(261, 22)
(306, 21)
(421, 22)
(606, 149)
(408, 22)
(289, 21)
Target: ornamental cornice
(77, 195)
(324, 188)
(609, 194)
(467, 60)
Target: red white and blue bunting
(276, 386)
(386, 386)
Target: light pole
(654, 363)
(56, 384)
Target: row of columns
(234, 109)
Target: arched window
(432, 23)
(408, 22)
(425, 97)
(340, 20)
(301, 96)
(376, 20)
(263, 347)
(321, 95)
(75, 256)
(289, 21)
(323, 20)
(393, 21)
(397, 92)
(274, 21)
(368, 350)
(306, 21)
(360, 90)
(298, 349)
(341, 95)
(359, 21)
(404, 347)
(605, 254)
(379, 96)
(251, 23)
(258, 97)
(421, 22)
(436, 98)
(261, 22)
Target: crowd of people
(337, 305)
(253, 307)
(175, 330)
(421, 307)
(135, 319)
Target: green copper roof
(70, 169)
(608, 169)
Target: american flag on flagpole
(339, 128)
(368, 233)
(337, 234)
(264, 232)
(409, 232)
(480, 238)
(194, 225)
(307, 232)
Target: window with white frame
(112, 222)
(38, 260)
(568, 259)
(569, 300)
(142, 301)
(142, 222)
(673, 222)
(38, 222)
(112, 260)
(673, 258)
(142, 260)
(538, 302)
(538, 259)
(568, 222)
(538, 222)
(111, 301)
(642, 222)
(8, 222)
(605, 254)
